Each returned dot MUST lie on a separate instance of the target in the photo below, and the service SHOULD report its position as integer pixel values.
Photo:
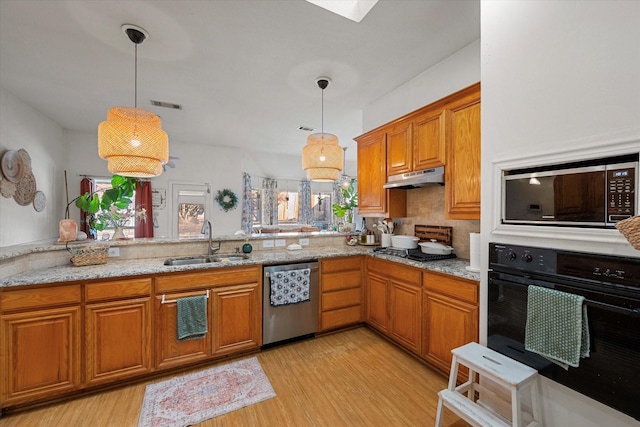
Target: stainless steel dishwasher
(285, 322)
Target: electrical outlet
(114, 252)
(303, 242)
(281, 243)
(267, 243)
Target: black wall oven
(611, 287)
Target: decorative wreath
(227, 199)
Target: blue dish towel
(290, 287)
(192, 317)
(557, 326)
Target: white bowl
(404, 242)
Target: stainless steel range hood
(416, 179)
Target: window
(129, 228)
(321, 209)
(287, 207)
(290, 196)
(190, 219)
(192, 206)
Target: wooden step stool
(498, 368)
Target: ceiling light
(345, 181)
(131, 139)
(534, 181)
(355, 10)
(322, 157)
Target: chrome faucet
(211, 249)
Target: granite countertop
(152, 266)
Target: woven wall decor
(17, 179)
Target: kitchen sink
(189, 260)
(205, 259)
(229, 258)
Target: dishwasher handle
(268, 273)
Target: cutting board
(438, 232)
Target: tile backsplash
(426, 206)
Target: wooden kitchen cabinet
(340, 292)
(394, 302)
(233, 310)
(399, 148)
(237, 317)
(429, 143)
(169, 351)
(406, 306)
(373, 199)
(377, 308)
(462, 174)
(450, 317)
(118, 318)
(443, 133)
(41, 344)
(417, 141)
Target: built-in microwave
(594, 193)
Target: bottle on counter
(371, 238)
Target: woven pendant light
(131, 139)
(322, 157)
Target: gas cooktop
(413, 254)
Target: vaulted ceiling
(244, 71)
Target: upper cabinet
(373, 199)
(443, 133)
(429, 139)
(399, 153)
(417, 142)
(462, 174)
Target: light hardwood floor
(351, 378)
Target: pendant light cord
(322, 113)
(135, 84)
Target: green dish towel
(192, 317)
(557, 326)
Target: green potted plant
(349, 202)
(113, 208)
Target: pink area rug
(193, 398)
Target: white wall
(456, 72)
(560, 80)
(54, 150)
(21, 126)
(220, 167)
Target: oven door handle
(633, 312)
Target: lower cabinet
(237, 318)
(394, 303)
(405, 312)
(117, 330)
(169, 351)
(233, 310)
(378, 301)
(56, 340)
(450, 317)
(60, 339)
(340, 292)
(41, 347)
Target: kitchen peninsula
(76, 314)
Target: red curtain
(86, 186)
(143, 201)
